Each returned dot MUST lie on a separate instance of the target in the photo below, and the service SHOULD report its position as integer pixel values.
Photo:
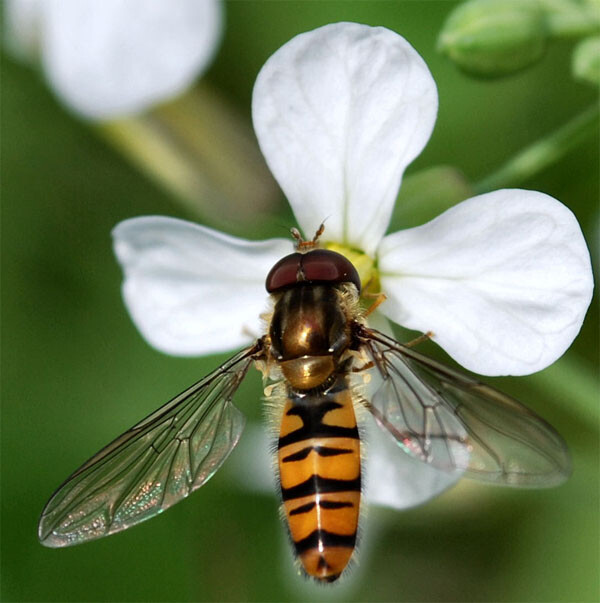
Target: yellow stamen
(364, 264)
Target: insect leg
(419, 339)
(379, 299)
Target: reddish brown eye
(319, 265)
(322, 265)
(284, 273)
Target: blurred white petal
(395, 479)
(503, 280)
(191, 290)
(251, 464)
(339, 113)
(111, 58)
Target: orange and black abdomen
(320, 476)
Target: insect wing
(456, 423)
(153, 465)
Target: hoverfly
(319, 355)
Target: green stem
(199, 148)
(542, 153)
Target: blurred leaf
(574, 384)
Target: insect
(325, 366)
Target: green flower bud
(494, 37)
(571, 18)
(586, 61)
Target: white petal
(109, 58)
(394, 479)
(191, 290)
(250, 465)
(339, 113)
(503, 280)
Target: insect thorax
(309, 331)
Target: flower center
(364, 264)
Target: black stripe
(326, 451)
(324, 431)
(276, 328)
(320, 450)
(334, 504)
(330, 308)
(303, 508)
(292, 302)
(297, 456)
(301, 299)
(311, 414)
(327, 539)
(325, 504)
(333, 318)
(316, 483)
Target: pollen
(365, 265)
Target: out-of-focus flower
(114, 58)
(586, 61)
(502, 279)
(118, 63)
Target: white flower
(110, 58)
(503, 280)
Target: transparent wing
(153, 465)
(456, 423)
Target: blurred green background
(76, 373)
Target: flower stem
(200, 149)
(542, 153)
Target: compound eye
(317, 266)
(323, 265)
(284, 273)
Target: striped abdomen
(319, 470)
